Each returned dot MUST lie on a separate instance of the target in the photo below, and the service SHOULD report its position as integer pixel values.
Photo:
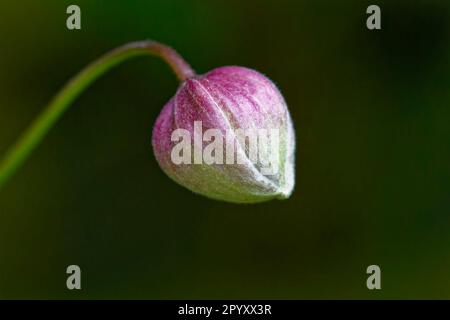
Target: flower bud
(228, 135)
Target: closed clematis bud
(228, 135)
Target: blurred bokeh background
(372, 115)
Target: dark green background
(372, 115)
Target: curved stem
(20, 151)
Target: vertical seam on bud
(255, 171)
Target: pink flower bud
(235, 139)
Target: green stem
(29, 140)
